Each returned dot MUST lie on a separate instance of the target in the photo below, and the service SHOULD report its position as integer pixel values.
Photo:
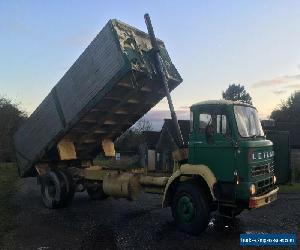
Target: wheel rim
(186, 209)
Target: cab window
(204, 121)
(221, 124)
(217, 122)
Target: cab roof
(220, 102)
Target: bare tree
(142, 125)
(133, 137)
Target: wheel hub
(186, 209)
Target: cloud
(165, 114)
(279, 92)
(184, 108)
(266, 83)
(293, 86)
(278, 81)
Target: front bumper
(259, 201)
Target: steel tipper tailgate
(110, 86)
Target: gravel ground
(143, 224)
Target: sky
(212, 44)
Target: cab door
(212, 144)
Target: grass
(8, 177)
(290, 188)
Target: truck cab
(227, 137)
(229, 167)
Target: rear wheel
(190, 208)
(53, 189)
(69, 184)
(96, 192)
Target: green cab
(227, 137)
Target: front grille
(262, 169)
(264, 186)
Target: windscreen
(247, 121)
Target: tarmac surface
(142, 224)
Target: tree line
(11, 118)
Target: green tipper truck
(226, 166)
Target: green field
(290, 188)
(8, 177)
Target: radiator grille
(262, 169)
(265, 186)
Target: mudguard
(188, 171)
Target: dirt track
(120, 224)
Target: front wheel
(190, 208)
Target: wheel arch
(200, 173)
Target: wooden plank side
(35, 134)
(96, 66)
(89, 74)
(116, 54)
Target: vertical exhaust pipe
(160, 69)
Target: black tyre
(96, 192)
(190, 208)
(230, 211)
(53, 189)
(69, 185)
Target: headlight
(274, 179)
(252, 189)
